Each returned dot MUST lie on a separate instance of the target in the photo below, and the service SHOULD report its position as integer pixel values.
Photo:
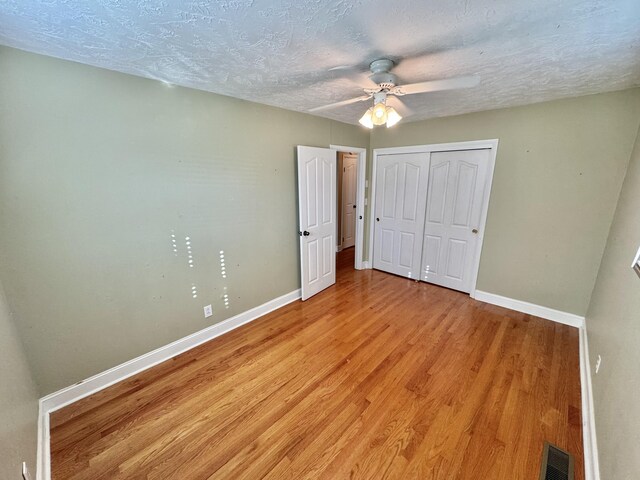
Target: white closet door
(317, 204)
(401, 187)
(349, 165)
(457, 182)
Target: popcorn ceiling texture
(279, 52)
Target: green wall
(613, 327)
(558, 173)
(18, 401)
(99, 169)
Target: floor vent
(556, 463)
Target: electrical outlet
(25, 472)
(208, 311)
(598, 362)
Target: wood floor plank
(376, 377)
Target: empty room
(248, 239)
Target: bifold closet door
(401, 190)
(455, 197)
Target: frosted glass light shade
(366, 119)
(379, 116)
(393, 117)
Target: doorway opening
(350, 203)
(347, 184)
(318, 212)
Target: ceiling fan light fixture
(387, 84)
(393, 117)
(380, 114)
(367, 118)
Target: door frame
(491, 144)
(360, 199)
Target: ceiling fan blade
(437, 85)
(342, 67)
(400, 106)
(342, 103)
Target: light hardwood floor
(376, 377)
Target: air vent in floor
(556, 463)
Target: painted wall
(18, 401)
(559, 171)
(100, 170)
(613, 328)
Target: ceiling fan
(387, 89)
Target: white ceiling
(279, 52)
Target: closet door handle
(377, 219)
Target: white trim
(366, 265)
(360, 196)
(43, 458)
(491, 144)
(91, 385)
(590, 443)
(64, 397)
(440, 147)
(530, 308)
(372, 205)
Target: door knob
(305, 233)
(377, 219)
(354, 206)
(360, 217)
(475, 230)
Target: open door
(317, 203)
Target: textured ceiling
(280, 52)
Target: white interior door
(317, 204)
(457, 182)
(349, 177)
(401, 185)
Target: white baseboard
(590, 443)
(64, 397)
(530, 308)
